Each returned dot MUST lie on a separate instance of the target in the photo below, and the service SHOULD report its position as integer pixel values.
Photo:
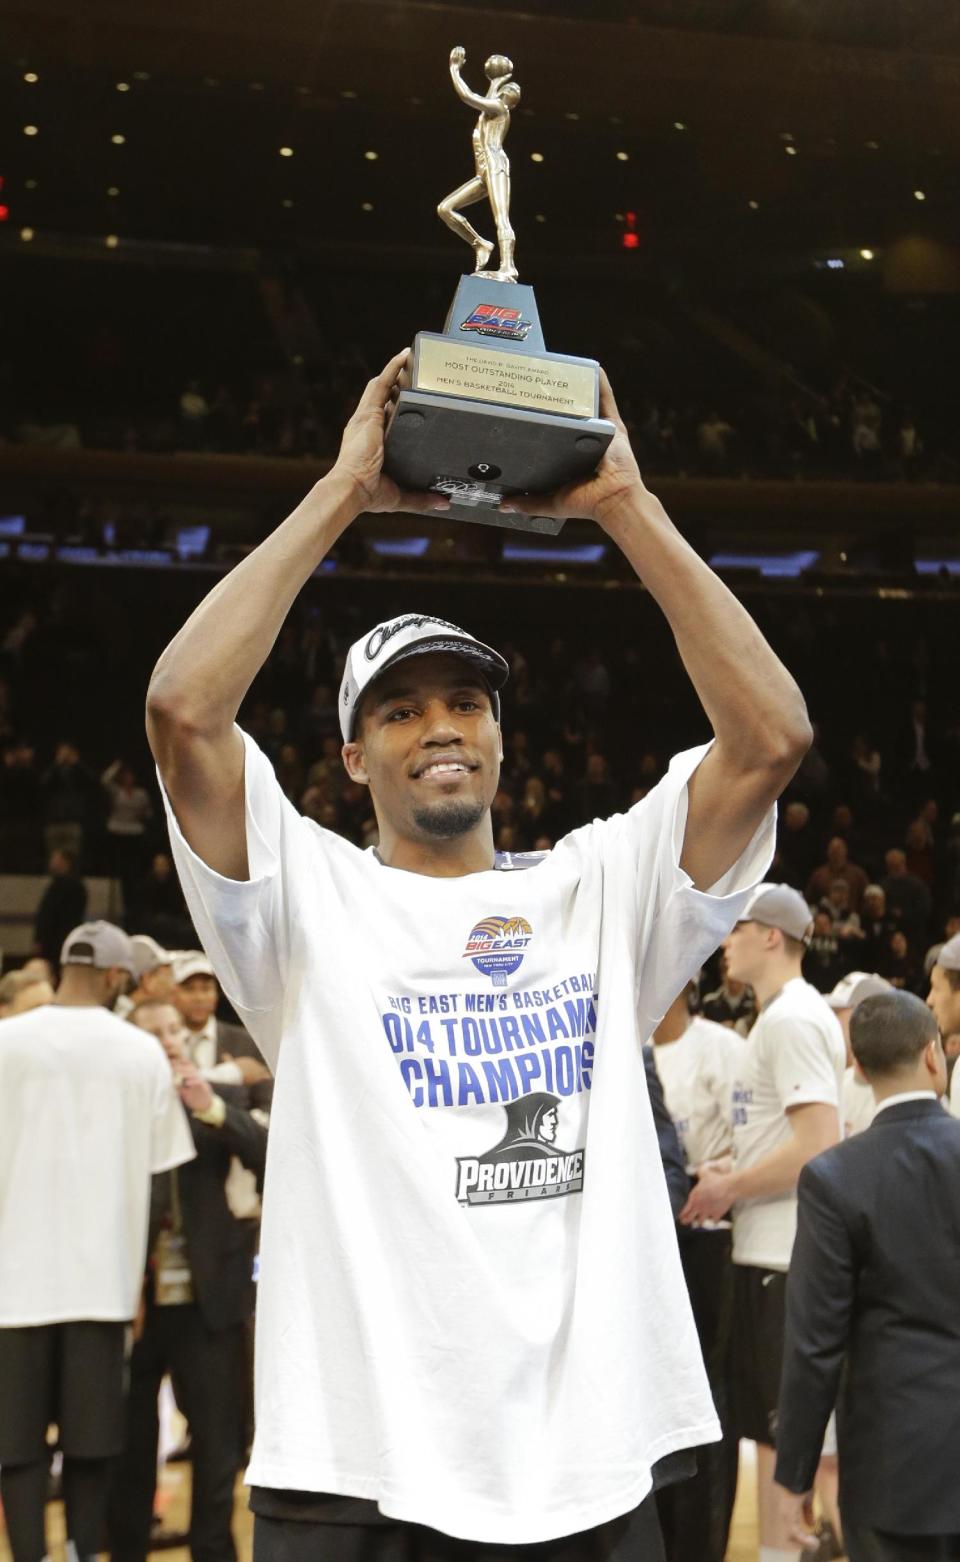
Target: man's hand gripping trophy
(492, 177)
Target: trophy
(484, 411)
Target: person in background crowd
(908, 898)
(74, 1206)
(824, 960)
(71, 801)
(899, 964)
(154, 975)
(875, 925)
(62, 905)
(198, 1297)
(196, 993)
(698, 1062)
(796, 845)
(22, 990)
(944, 1000)
(732, 1003)
(159, 907)
(128, 816)
(872, 1307)
(837, 866)
(786, 1105)
(859, 1105)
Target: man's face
(944, 1000)
(166, 1023)
(875, 906)
(196, 998)
(428, 747)
(745, 951)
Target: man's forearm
(206, 670)
(776, 1173)
(749, 697)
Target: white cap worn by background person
(777, 905)
(148, 954)
(101, 945)
(191, 962)
(854, 987)
(949, 956)
(412, 634)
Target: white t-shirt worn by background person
(795, 1055)
(471, 1308)
(88, 1113)
(697, 1072)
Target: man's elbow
(782, 746)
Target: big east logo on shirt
(497, 945)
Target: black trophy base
(466, 421)
(479, 454)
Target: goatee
(449, 819)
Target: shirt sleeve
(171, 1142)
(679, 926)
(801, 1062)
(242, 923)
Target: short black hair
(888, 1032)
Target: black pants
(874, 1545)
(207, 1369)
(695, 1515)
(633, 1538)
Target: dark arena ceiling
(736, 132)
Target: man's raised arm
(756, 710)
(201, 679)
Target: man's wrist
(631, 508)
(215, 1114)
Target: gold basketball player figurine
(492, 178)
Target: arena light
(286, 203)
(919, 195)
(834, 263)
(623, 157)
(30, 184)
(31, 77)
(113, 189)
(286, 151)
(775, 566)
(118, 139)
(123, 86)
(366, 206)
(31, 130)
(111, 241)
(26, 235)
(400, 547)
(346, 93)
(937, 566)
(867, 254)
(371, 156)
(4, 213)
(790, 149)
(754, 205)
(536, 157)
(679, 124)
(539, 217)
(576, 553)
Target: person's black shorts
(68, 1374)
(635, 1537)
(756, 1350)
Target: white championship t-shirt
(795, 1055)
(88, 1113)
(697, 1072)
(471, 1308)
(859, 1104)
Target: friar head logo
(532, 1124)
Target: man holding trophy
(473, 1334)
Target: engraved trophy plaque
(484, 411)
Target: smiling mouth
(444, 770)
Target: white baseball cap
(949, 956)
(412, 634)
(191, 962)
(854, 987)
(777, 905)
(148, 954)
(101, 945)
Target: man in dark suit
(872, 1317)
(199, 1297)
